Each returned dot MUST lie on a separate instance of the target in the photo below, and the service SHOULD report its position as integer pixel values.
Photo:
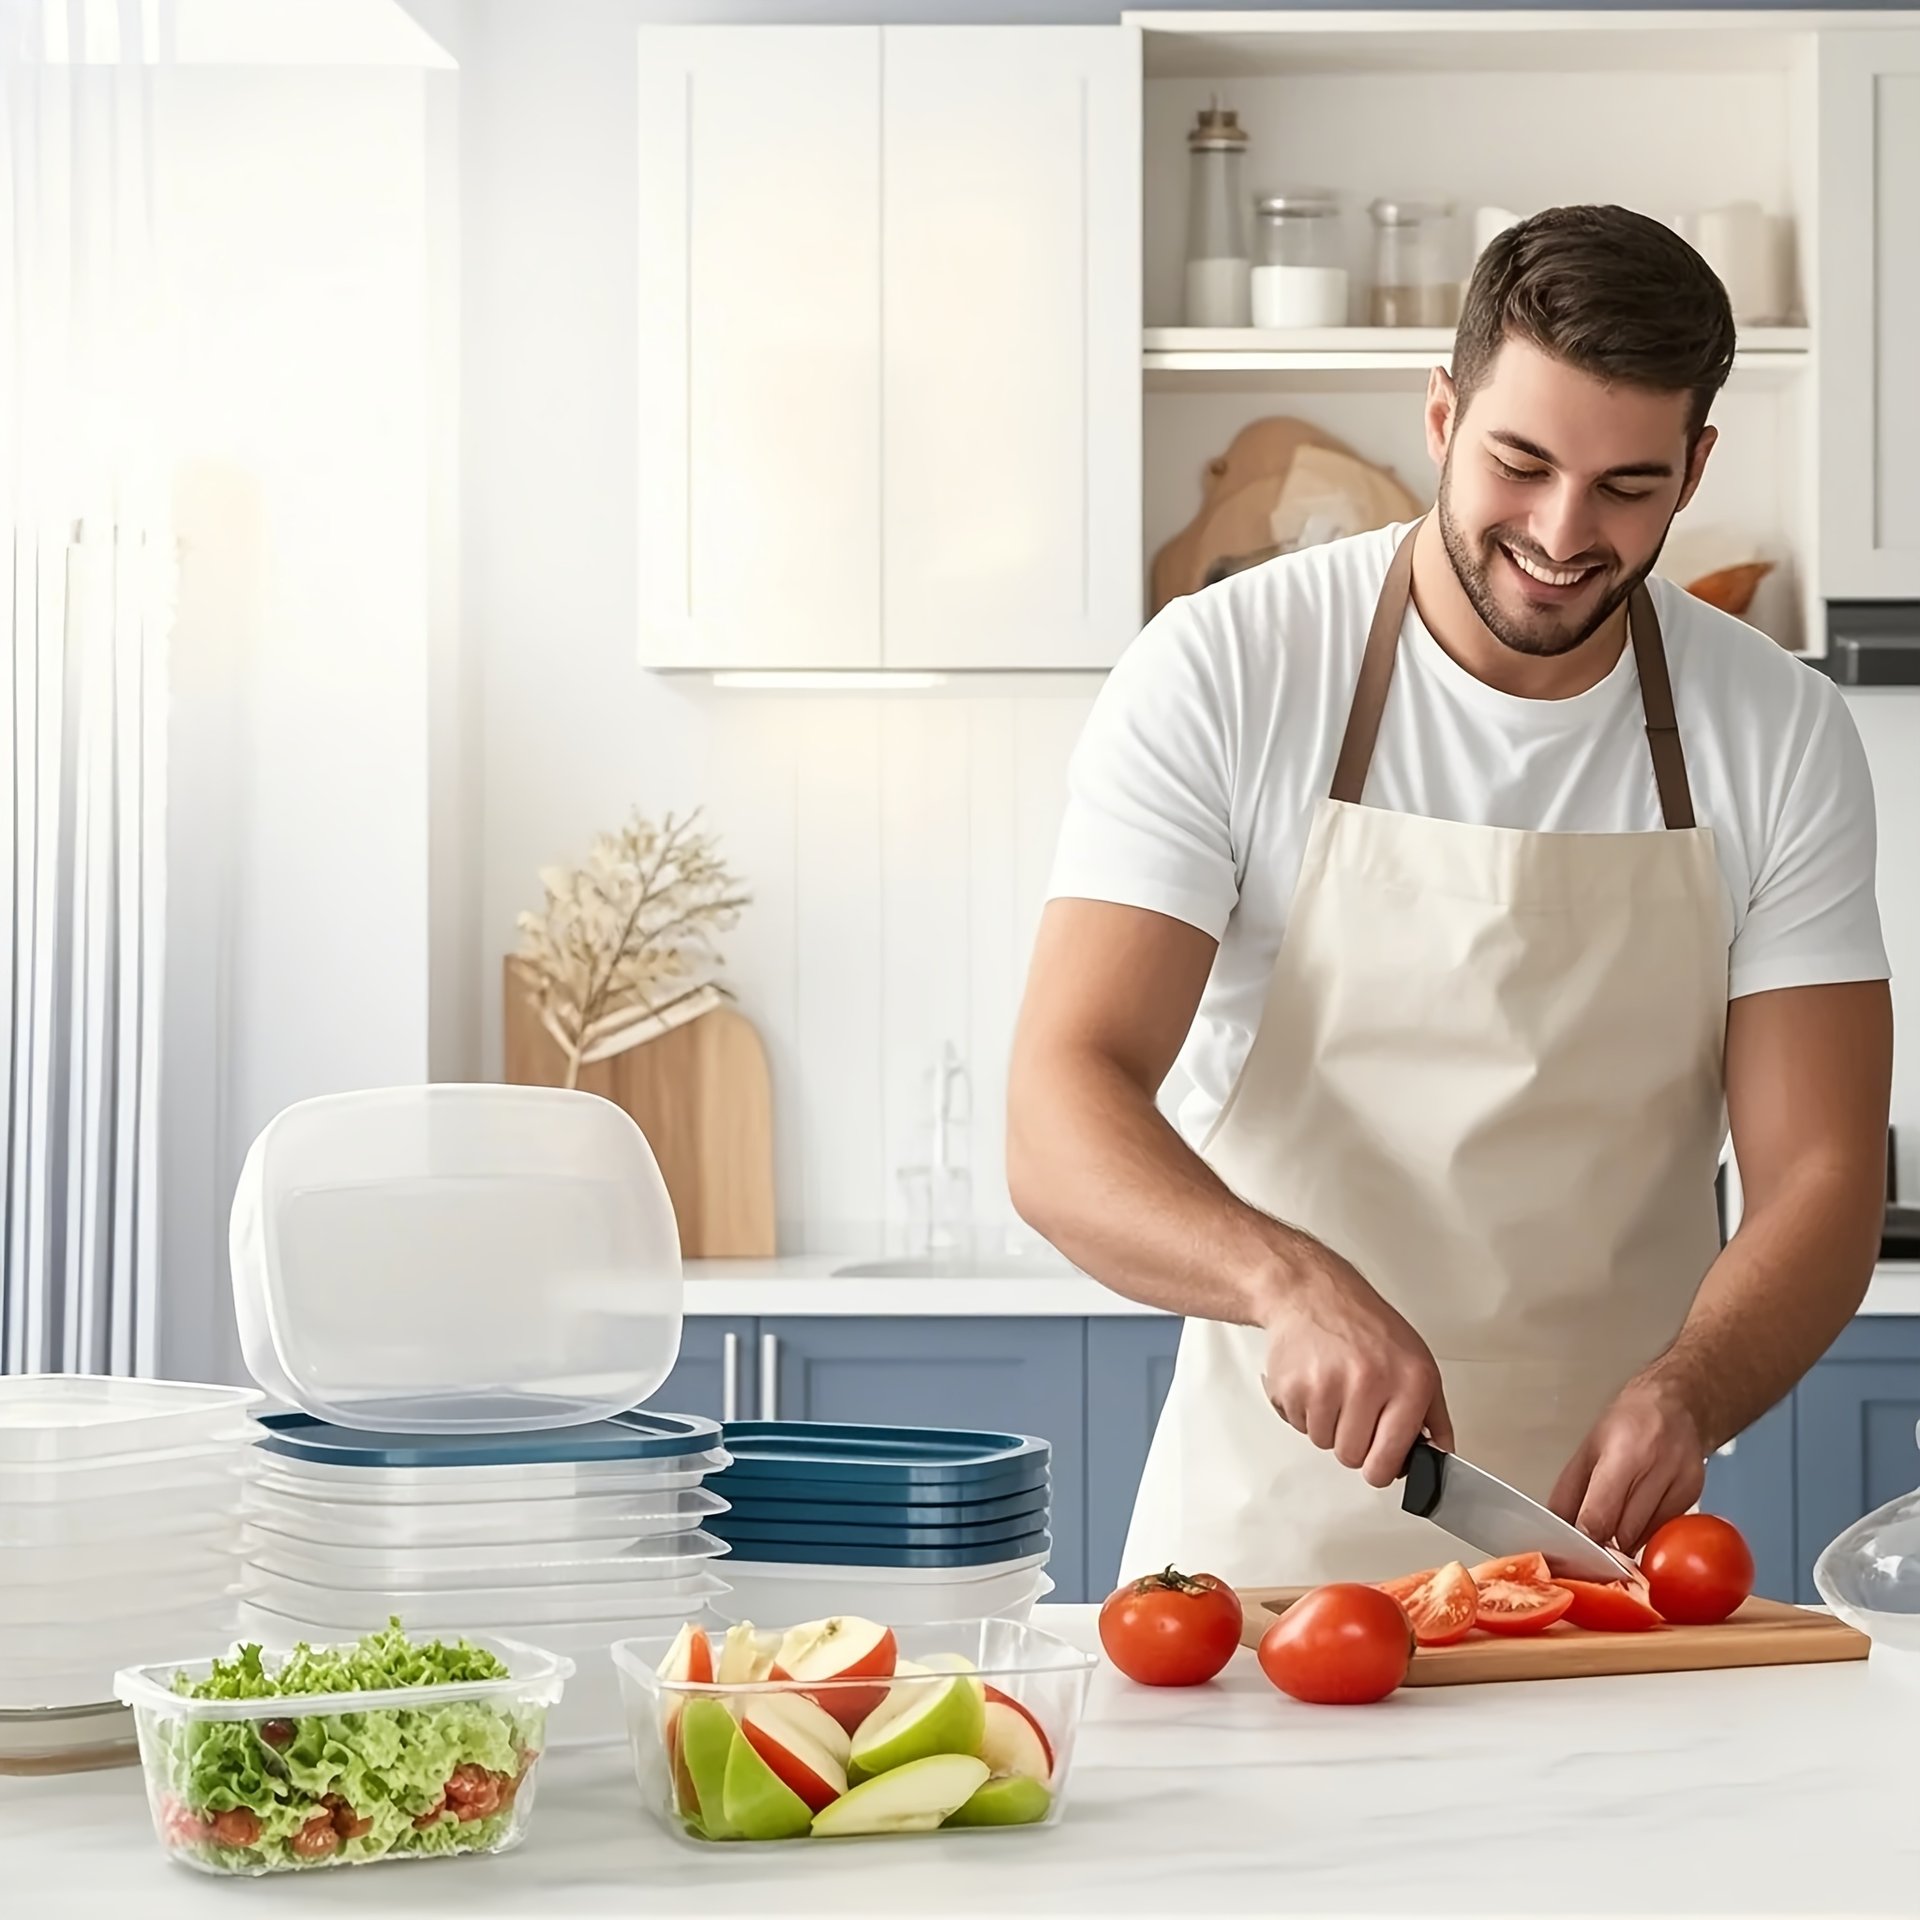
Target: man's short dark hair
(1609, 291)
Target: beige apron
(1488, 1072)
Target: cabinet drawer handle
(769, 1376)
(730, 1379)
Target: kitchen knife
(1496, 1519)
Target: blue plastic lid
(627, 1436)
(775, 1553)
(750, 1535)
(755, 1506)
(915, 1457)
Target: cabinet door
(1751, 1483)
(1011, 345)
(1867, 313)
(1855, 1440)
(1129, 1368)
(715, 1374)
(759, 427)
(1008, 1375)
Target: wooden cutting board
(702, 1095)
(1764, 1633)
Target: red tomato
(1444, 1608)
(1514, 1606)
(1529, 1569)
(1339, 1646)
(1605, 1606)
(1406, 1586)
(1698, 1569)
(1170, 1630)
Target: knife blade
(1496, 1519)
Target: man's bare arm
(1808, 1073)
(1093, 1165)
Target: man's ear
(1697, 463)
(1443, 406)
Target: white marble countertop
(806, 1284)
(1780, 1791)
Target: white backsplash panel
(897, 849)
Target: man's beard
(1471, 569)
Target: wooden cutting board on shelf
(1764, 1633)
(702, 1095)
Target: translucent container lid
(117, 1559)
(113, 1476)
(50, 1418)
(102, 1645)
(494, 1609)
(675, 1557)
(956, 1461)
(128, 1518)
(456, 1259)
(116, 1604)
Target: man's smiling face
(1556, 493)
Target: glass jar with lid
(1414, 280)
(1217, 257)
(1300, 261)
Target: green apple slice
(707, 1738)
(759, 1804)
(913, 1798)
(931, 1716)
(1017, 1801)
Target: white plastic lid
(456, 1259)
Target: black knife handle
(1425, 1474)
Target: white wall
(316, 587)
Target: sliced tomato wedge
(1513, 1606)
(1407, 1585)
(1606, 1606)
(1528, 1569)
(1444, 1608)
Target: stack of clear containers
(120, 1542)
(460, 1293)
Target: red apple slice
(1014, 1743)
(788, 1743)
(689, 1661)
(843, 1648)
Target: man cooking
(1480, 882)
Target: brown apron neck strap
(1376, 676)
(1656, 701)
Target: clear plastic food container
(514, 1249)
(125, 1519)
(1870, 1577)
(490, 1609)
(47, 1418)
(118, 1476)
(330, 1777)
(759, 1590)
(473, 1523)
(413, 1486)
(968, 1726)
(509, 1565)
(136, 1637)
(132, 1595)
(193, 1550)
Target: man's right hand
(1351, 1373)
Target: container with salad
(388, 1748)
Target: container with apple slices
(846, 1727)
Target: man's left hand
(1643, 1463)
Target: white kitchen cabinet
(889, 347)
(1867, 317)
(1010, 241)
(759, 321)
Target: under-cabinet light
(828, 680)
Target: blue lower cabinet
(1855, 1446)
(1751, 1484)
(1008, 1375)
(715, 1374)
(1129, 1369)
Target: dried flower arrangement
(624, 947)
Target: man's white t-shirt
(1193, 785)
